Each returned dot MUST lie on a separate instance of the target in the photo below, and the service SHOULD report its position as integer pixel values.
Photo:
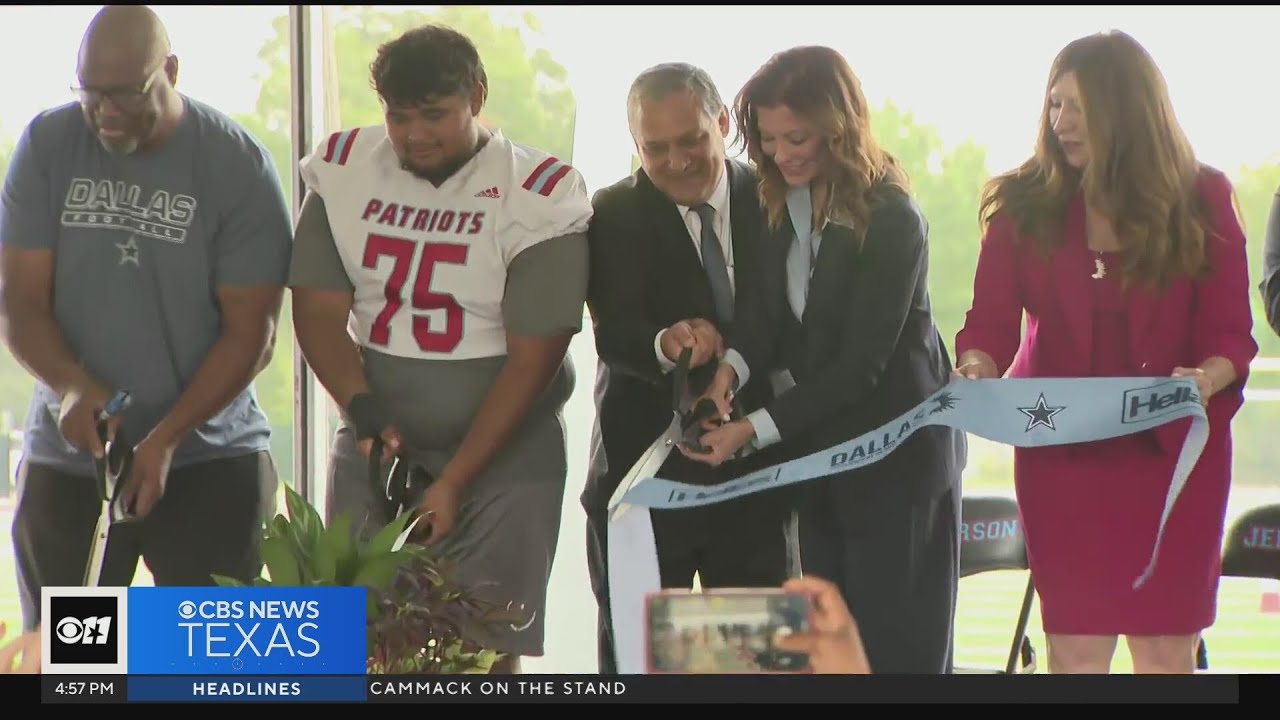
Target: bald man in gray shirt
(145, 243)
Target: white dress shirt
(719, 202)
(801, 257)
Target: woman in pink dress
(1128, 259)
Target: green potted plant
(416, 611)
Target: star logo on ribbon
(1041, 414)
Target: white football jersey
(429, 265)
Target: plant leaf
(385, 540)
(224, 581)
(417, 611)
(313, 525)
(377, 571)
(305, 528)
(280, 561)
(403, 538)
(279, 527)
(296, 504)
(338, 557)
(324, 565)
(484, 662)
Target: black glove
(368, 415)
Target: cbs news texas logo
(85, 630)
(195, 631)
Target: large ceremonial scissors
(112, 472)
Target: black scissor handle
(393, 492)
(680, 381)
(114, 468)
(704, 410)
(375, 461)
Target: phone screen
(724, 631)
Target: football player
(438, 275)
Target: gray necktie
(714, 264)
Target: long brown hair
(1142, 173)
(817, 83)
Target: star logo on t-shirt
(129, 251)
(1041, 414)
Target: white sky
(974, 72)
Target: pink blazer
(1181, 327)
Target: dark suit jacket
(646, 276)
(866, 350)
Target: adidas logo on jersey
(490, 193)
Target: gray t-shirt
(142, 243)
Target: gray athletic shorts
(504, 541)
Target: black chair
(1251, 550)
(991, 539)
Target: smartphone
(724, 631)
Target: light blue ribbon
(1033, 412)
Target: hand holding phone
(730, 631)
(832, 643)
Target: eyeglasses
(126, 98)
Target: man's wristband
(368, 416)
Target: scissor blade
(98, 550)
(649, 462)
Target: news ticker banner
(308, 645)
(644, 689)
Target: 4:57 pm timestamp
(70, 689)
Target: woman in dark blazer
(1126, 257)
(844, 333)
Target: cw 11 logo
(206, 631)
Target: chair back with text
(1252, 547)
(991, 535)
(991, 539)
(1251, 550)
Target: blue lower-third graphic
(247, 631)
(242, 688)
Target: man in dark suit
(674, 250)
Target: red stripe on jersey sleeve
(550, 184)
(537, 172)
(332, 147)
(351, 142)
